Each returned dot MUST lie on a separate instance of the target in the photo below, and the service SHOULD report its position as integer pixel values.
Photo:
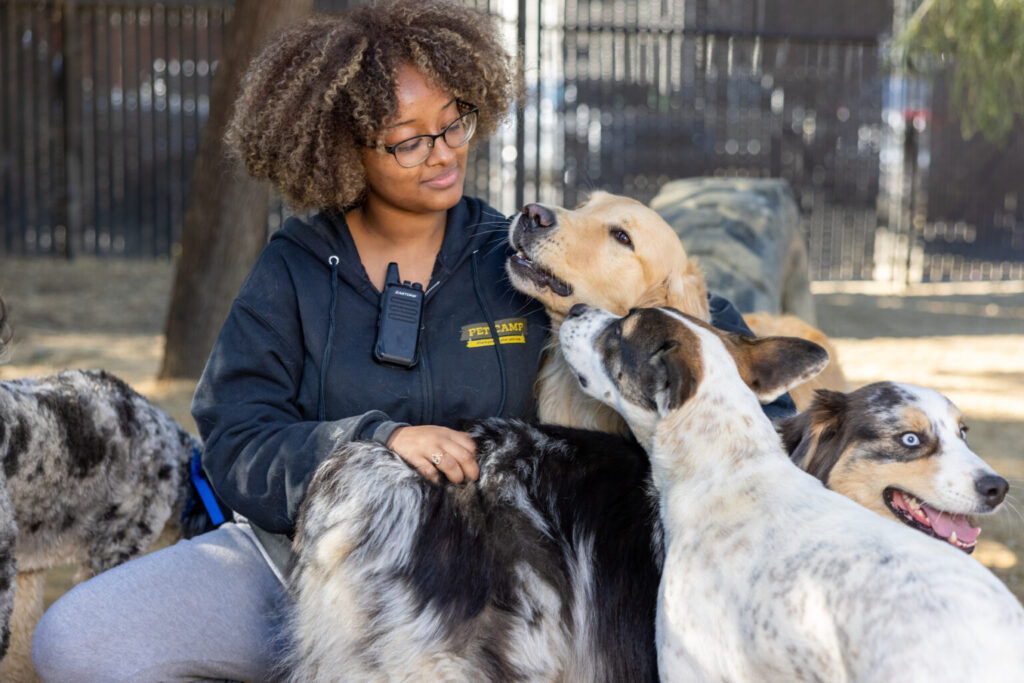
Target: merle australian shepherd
(546, 568)
(92, 473)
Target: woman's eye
(409, 145)
(621, 237)
(910, 439)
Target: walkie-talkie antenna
(392, 277)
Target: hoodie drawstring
(494, 332)
(326, 359)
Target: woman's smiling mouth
(444, 179)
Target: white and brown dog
(768, 575)
(901, 451)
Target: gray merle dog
(92, 473)
(544, 569)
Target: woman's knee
(64, 647)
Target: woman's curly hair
(327, 87)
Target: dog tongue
(945, 524)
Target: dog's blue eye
(910, 439)
(620, 236)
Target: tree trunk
(225, 222)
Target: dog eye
(910, 439)
(963, 432)
(619, 235)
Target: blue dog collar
(205, 492)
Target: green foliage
(983, 42)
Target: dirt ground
(110, 315)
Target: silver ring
(436, 458)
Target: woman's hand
(434, 450)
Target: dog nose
(577, 309)
(540, 216)
(992, 488)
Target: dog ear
(667, 381)
(771, 366)
(684, 290)
(821, 445)
(796, 436)
(810, 437)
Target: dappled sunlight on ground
(995, 555)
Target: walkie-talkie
(398, 322)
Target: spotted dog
(544, 569)
(768, 575)
(900, 450)
(92, 472)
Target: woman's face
(437, 183)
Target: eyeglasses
(415, 150)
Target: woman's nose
(441, 154)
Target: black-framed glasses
(415, 150)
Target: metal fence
(102, 110)
(103, 104)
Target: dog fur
(901, 451)
(617, 254)
(92, 473)
(544, 569)
(767, 574)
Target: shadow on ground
(863, 316)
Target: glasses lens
(461, 130)
(413, 152)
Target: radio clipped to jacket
(398, 322)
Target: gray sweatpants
(205, 608)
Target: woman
(367, 118)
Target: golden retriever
(614, 253)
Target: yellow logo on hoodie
(510, 331)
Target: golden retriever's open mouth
(914, 512)
(522, 266)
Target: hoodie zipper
(427, 400)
